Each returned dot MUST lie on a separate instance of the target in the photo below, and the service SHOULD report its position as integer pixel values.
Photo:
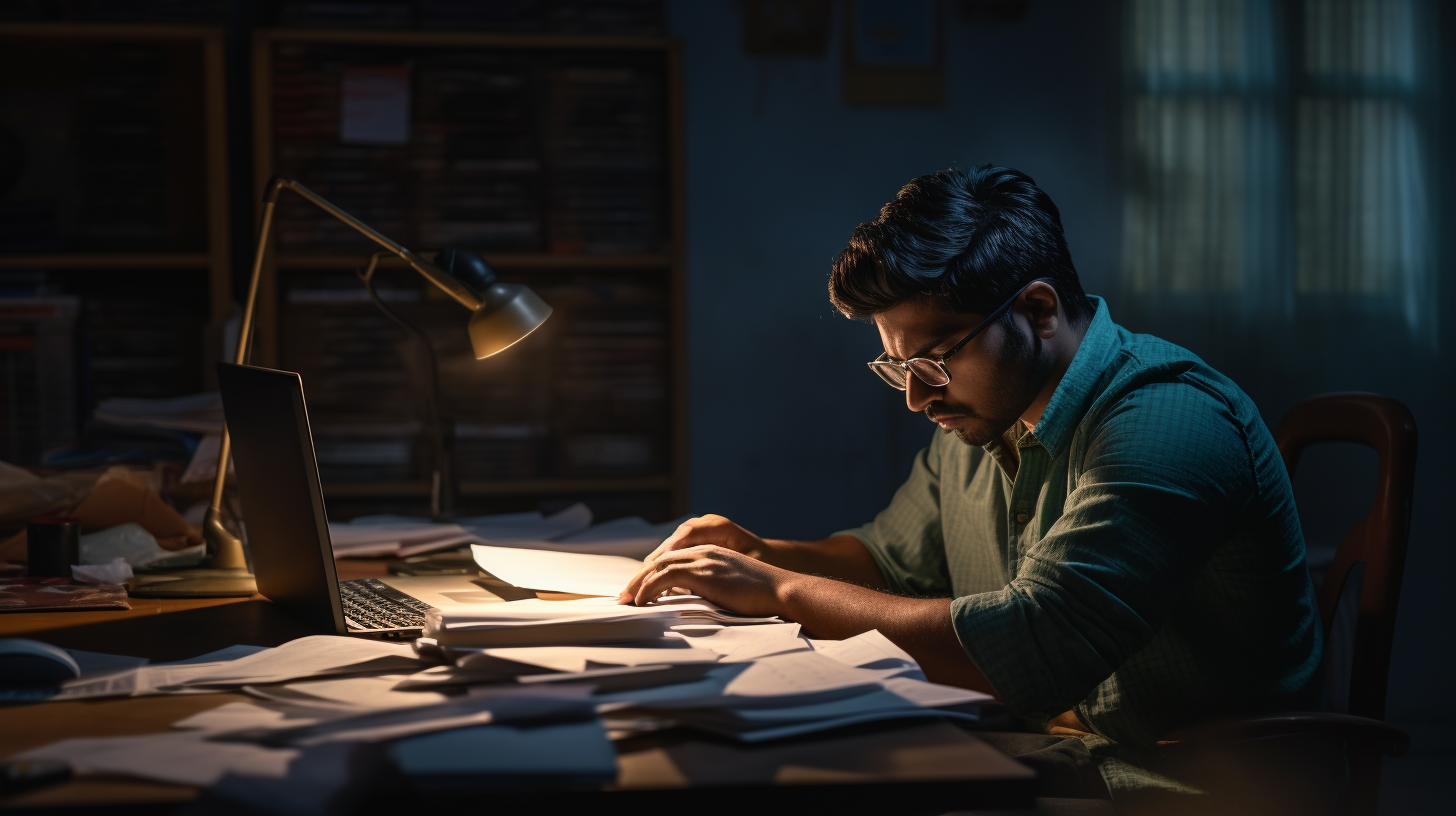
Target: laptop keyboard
(369, 603)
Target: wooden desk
(931, 767)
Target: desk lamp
(501, 315)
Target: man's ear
(1041, 309)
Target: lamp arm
(227, 549)
(442, 486)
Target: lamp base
(228, 576)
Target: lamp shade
(508, 312)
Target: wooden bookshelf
(118, 213)
(660, 267)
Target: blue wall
(791, 434)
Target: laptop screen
(278, 488)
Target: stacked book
(624, 17)
(361, 376)
(610, 380)
(476, 172)
(369, 181)
(604, 144)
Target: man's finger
(676, 574)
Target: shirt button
(1020, 518)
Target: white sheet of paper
(349, 693)
(242, 716)
(375, 104)
(581, 658)
(505, 704)
(505, 529)
(870, 650)
(799, 673)
(181, 757)
(313, 656)
(578, 573)
(741, 643)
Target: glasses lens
(929, 372)
(890, 373)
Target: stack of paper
(534, 622)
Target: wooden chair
(1378, 542)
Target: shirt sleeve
(906, 539)
(1165, 475)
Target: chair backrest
(1379, 540)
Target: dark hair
(964, 240)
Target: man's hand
(704, 530)
(725, 577)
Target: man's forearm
(842, 557)
(921, 626)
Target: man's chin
(977, 434)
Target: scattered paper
(576, 573)
(183, 758)
(115, 572)
(740, 643)
(307, 657)
(348, 693)
(246, 716)
(871, 650)
(581, 658)
(505, 704)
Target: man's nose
(918, 394)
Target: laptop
(288, 530)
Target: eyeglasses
(931, 370)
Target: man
(1104, 534)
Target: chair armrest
(1347, 728)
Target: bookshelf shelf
(107, 260)
(554, 156)
(471, 39)
(524, 487)
(503, 261)
(116, 139)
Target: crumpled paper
(115, 572)
(137, 547)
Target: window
(1275, 152)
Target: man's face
(993, 379)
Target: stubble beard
(1020, 374)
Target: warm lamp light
(501, 315)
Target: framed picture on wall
(894, 53)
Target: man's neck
(1064, 349)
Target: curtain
(1274, 156)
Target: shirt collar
(1079, 386)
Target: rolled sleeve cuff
(894, 577)
(994, 634)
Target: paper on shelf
(577, 573)
(631, 537)
(183, 758)
(402, 536)
(506, 528)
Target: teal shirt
(1145, 565)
